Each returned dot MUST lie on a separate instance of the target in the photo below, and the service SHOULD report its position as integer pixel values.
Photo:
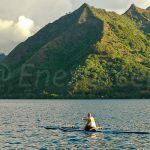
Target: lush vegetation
(141, 17)
(90, 53)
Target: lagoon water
(20, 123)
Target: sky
(20, 19)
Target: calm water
(20, 121)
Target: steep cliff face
(90, 53)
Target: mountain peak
(85, 5)
(85, 12)
(132, 7)
(148, 8)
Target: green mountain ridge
(141, 17)
(90, 53)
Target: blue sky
(22, 18)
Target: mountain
(141, 17)
(90, 53)
(2, 56)
(148, 8)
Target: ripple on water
(20, 121)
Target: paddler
(90, 124)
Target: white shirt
(92, 122)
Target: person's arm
(88, 122)
(85, 119)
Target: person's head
(89, 115)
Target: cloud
(42, 12)
(25, 25)
(4, 24)
(12, 32)
(48, 10)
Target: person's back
(90, 123)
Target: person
(90, 124)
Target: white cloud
(4, 24)
(42, 12)
(12, 32)
(25, 25)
